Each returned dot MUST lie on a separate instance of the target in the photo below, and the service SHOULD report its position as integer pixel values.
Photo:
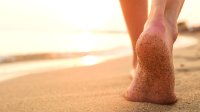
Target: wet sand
(99, 88)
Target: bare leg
(135, 14)
(154, 80)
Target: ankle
(155, 26)
(159, 25)
(172, 25)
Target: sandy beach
(99, 88)
(37, 36)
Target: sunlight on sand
(185, 41)
(89, 60)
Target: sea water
(97, 46)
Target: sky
(62, 15)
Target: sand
(99, 88)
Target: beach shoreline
(99, 88)
(23, 64)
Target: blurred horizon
(40, 26)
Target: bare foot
(132, 73)
(154, 78)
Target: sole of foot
(154, 76)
